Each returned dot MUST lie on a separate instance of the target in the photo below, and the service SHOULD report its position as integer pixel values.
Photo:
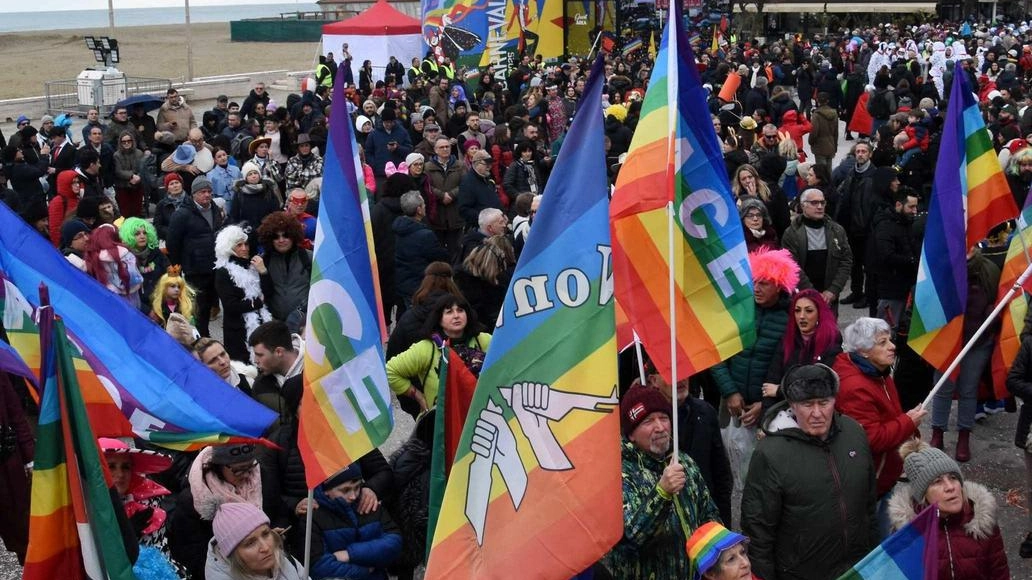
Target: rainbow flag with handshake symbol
(535, 489)
(970, 196)
(675, 159)
(168, 397)
(346, 405)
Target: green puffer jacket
(745, 372)
(809, 505)
(652, 547)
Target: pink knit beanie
(233, 522)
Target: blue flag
(167, 394)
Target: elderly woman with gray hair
(868, 394)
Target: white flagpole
(672, 125)
(308, 533)
(978, 333)
(641, 359)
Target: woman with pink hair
(811, 336)
(113, 265)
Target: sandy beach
(30, 58)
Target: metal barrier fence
(77, 96)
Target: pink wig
(775, 266)
(827, 332)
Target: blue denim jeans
(966, 385)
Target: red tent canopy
(380, 18)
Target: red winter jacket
(873, 402)
(796, 127)
(62, 205)
(970, 544)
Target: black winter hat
(806, 382)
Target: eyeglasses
(129, 141)
(770, 137)
(753, 216)
(816, 202)
(281, 236)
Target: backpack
(878, 105)
(238, 147)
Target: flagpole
(672, 287)
(641, 359)
(978, 333)
(594, 45)
(308, 533)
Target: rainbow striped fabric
(346, 405)
(977, 184)
(168, 396)
(535, 489)
(1013, 316)
(713, 302)
(912, 553)
(73, 529)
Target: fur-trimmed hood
(983, 506)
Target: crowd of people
(196, 221)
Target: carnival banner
(492, 34)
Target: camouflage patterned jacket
(652, 547)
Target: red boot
(936, 438)
(963, 447)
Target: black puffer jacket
(809, 504)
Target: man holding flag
(664, 501)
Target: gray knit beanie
(923, 464)
(748, 202)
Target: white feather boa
(248, 280)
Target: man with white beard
(655, 490)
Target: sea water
(66, 19)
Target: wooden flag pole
(672, 87)
(978, 333)
(308, 533)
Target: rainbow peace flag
(346, 405)
(912, 553)
(1013, 316)
(167, 395)
(73, 529)
(977, 184)
(535, 488)
(684, 165)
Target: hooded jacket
(895, 256)
(371, 540)
(970, 544)
(872, 400)
(62, 205)
(796, 127)
(824, 135)
(808, 505)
